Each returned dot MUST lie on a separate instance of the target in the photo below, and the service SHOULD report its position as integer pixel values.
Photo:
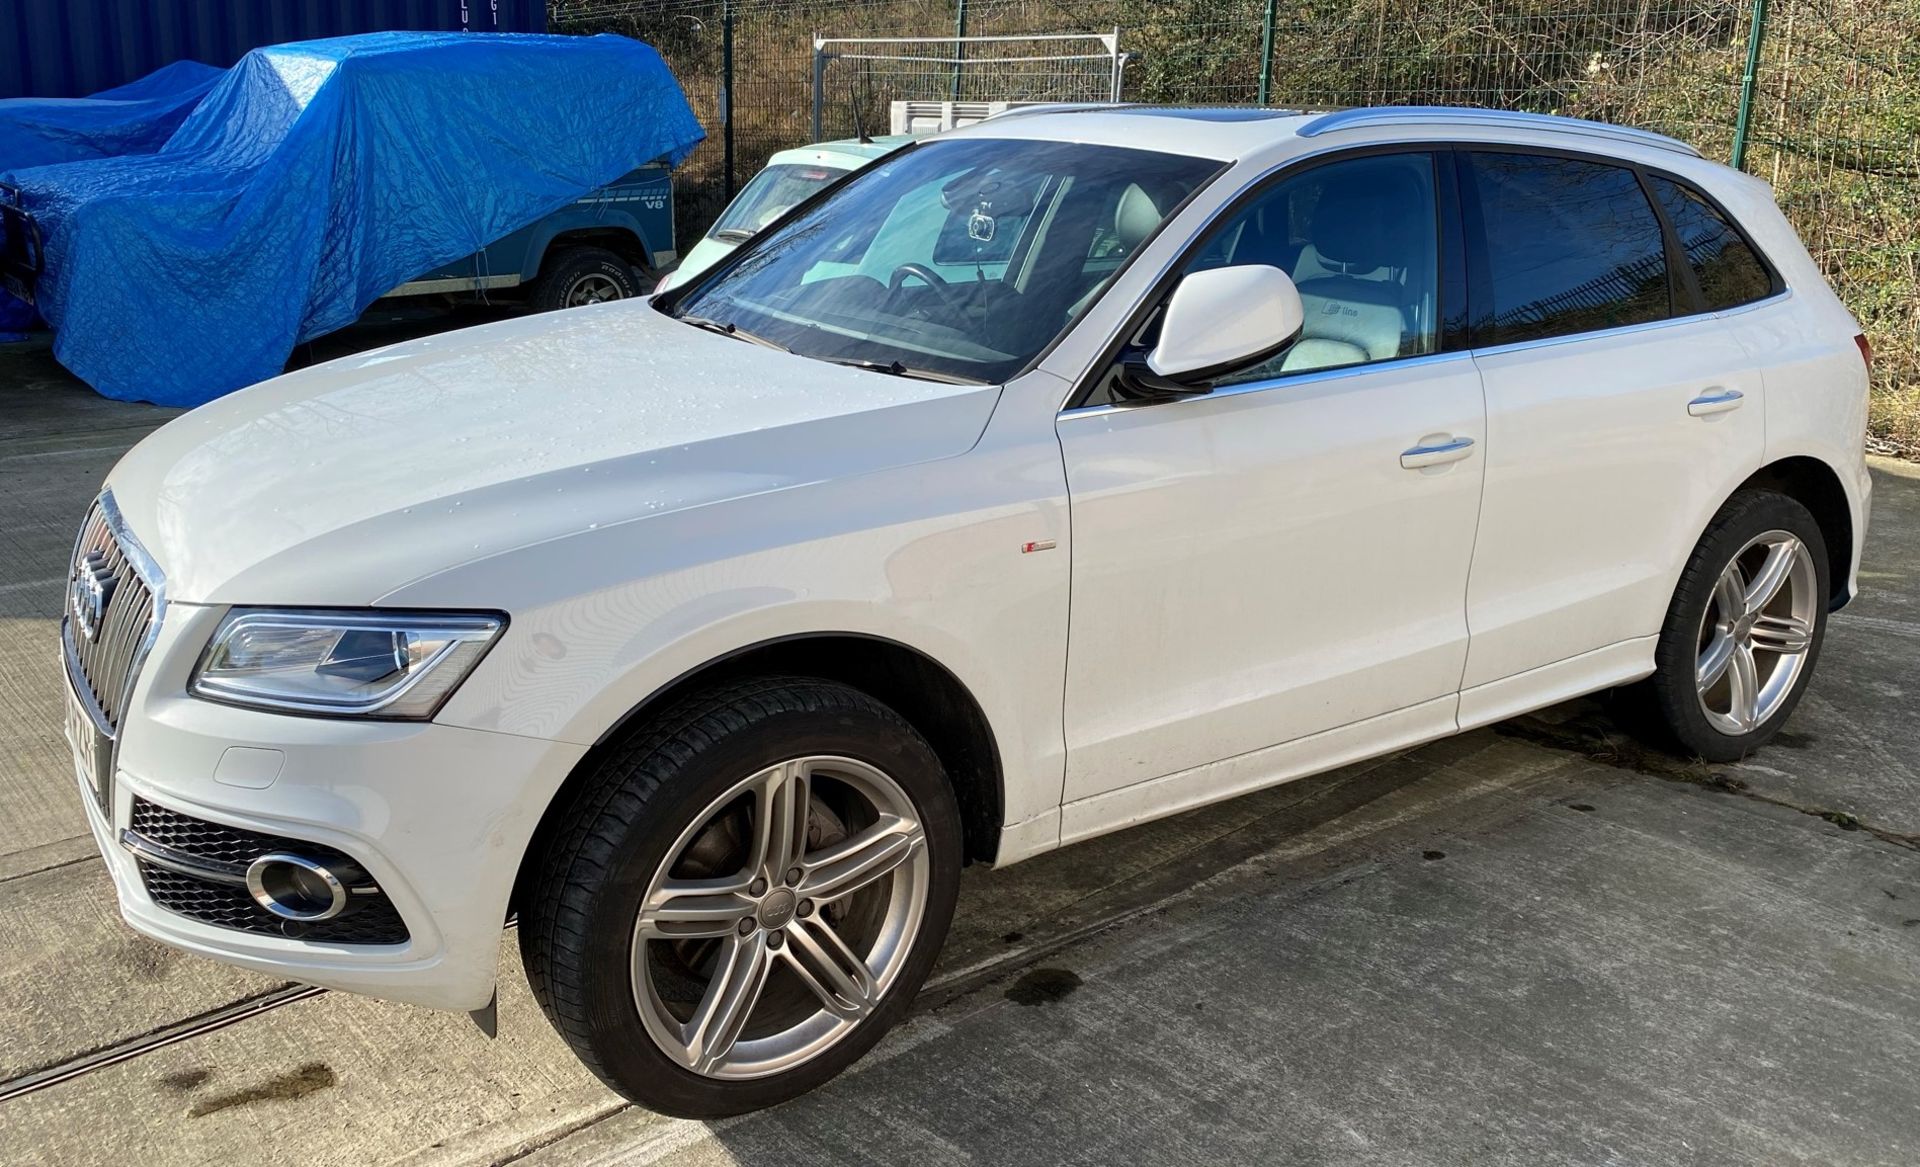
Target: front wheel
(578, 276)
(1744, 628)
(739, 903)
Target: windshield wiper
(728, 328)
(734, 234)
(897, 369)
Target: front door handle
(1435, 453)
(1715, 401)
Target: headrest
(1365, 221)
(1135, 216)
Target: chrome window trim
(1625, 329)
(1779, 297)
(1286, 381)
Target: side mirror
(1216, 321)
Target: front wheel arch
(920, 689)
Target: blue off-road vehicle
(315, 178)
(608, 245)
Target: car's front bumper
(438, 815)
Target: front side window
(956, 259)
(1566, 246)
(1360, 239)
(772, 193)
(1724, 264)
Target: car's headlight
(342, 664)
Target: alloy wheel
(592, 288)
(780, 917)
(1757, 632)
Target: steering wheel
(929, 277)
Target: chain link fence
(1819, 97)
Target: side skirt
(1616, 664)
(1113, 810)
(1155, 798)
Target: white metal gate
(1067, 67)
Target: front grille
(106, 634)
(371, 920)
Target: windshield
(771, 194)
(959, 259)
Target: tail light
(1866, 350)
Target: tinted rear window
(772, 193)
(1569, 246)
(1727, 267)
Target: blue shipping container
(70, 48)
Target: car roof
(1235, 133)
(842, 153)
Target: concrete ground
(1535, 943)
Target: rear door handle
(1715, 401)
(1435, 453)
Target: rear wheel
(736, 906)
(1744, 628)
(577, 276)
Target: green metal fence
(1819, 97)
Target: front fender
(662, 597)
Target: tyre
(575, 276)
(1743, 631)
(739, 901)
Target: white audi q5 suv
(1043, 478)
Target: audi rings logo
(89, 593)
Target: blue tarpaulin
(318, 176)
(136, 118)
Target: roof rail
(1449, 115)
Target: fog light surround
(294, 887)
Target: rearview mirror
(1219, 320)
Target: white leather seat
(1352, 274)
(1135, 215)
(1341, 331)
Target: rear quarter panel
(1816, 382)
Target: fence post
(726, 90)
(1266, 53)
(959, 45)
(819, 83)
(1743, 122)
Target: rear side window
(1565, 246)
(1724, 264)
(772, 193)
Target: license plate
(92, 751)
